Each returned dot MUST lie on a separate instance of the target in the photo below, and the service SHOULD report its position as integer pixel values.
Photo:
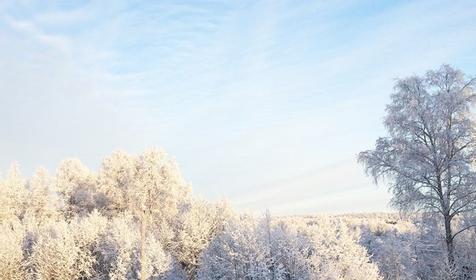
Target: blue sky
(266, 103)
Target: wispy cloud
(57, 42)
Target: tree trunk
(449, 242)
(270, 254)
(142, 247)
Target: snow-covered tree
(427, 156)
(285, 249)
(13, 194)
(58, 255)
(76, 186)
(148, 185)
(466, 256)
(119, 253)
(236, 253)
(392, 246)
(195, 226)
(115, 179)
(41, 202)
(288, 249)
(336, 253)
(12, 262)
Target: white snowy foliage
(42, 203)
(149, 182)
(58, 254)
(249, 249)
(412, 247)
(336, 252)
(76, 185)
(65, 250)
(115, 178)
(119, 251)
(13, 194)
(236, 253)
(12, 262)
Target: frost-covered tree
(152, 193)
(142, 183)
(67, 249)
(428, 154)
(285, 250)
(466, 248)
(393, 247)
(148, 185)
(237, 253)
(288, 249)
(41, 202)
(12, 262)
(336, 253)
(57, 254)
(13, 194)
(430, 252)
(76, 186)
(119, 253)
(195, 227)
(115, 179)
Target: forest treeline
(136, 218)
(79, 224)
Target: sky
(265, 103)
